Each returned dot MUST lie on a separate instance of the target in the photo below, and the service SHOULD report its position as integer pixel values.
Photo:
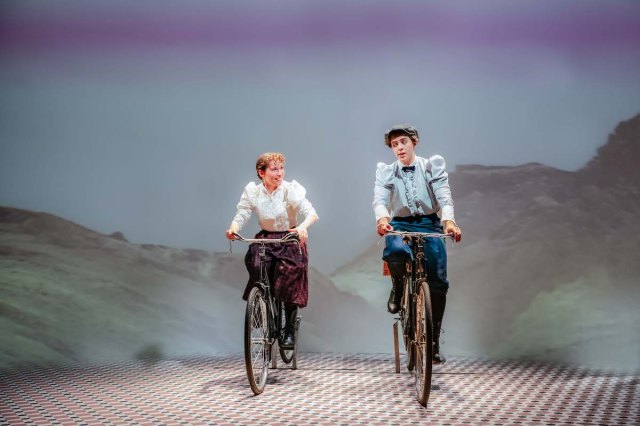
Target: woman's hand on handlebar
(302, 232)
(452, 229)
(232, 232)
(383, 226)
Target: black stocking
(438, 303)
(289, 309)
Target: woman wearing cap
(278, 203)
(411, 194)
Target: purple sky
(580, 28)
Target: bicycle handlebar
(288, 238)
(417, 234)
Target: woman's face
(403, 149)
(273, 175)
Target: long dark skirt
(287, 269)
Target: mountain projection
(72, 295)
(548, 267)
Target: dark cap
(407, 129)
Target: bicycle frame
(415, 315)
(263, 326)
(415, 270)
(273, 305)
(273, 310)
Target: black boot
(438, 303)
(291, 313)
(395, 297)
(438, 357)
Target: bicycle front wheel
(256, 340)
(407, 329)
(423, 342)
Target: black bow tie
(409, 169)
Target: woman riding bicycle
(412, 191)
(277, 203)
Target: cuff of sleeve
(447, 214)
(381, 211)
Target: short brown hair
(264, 160)
(392, 135)
(401, 129)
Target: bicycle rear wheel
(286, 354)
(256, 340)
(294, 365)
(423, 342)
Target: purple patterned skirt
(287, 269)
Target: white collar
(264, 189)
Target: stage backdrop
(128, 130)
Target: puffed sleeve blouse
(421, 191)
(277, 211)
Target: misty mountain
(548, 266)
(69, 294)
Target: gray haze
(158, 140)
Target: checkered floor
(327, 389)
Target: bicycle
(415, 315)
(264, 322)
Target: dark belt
(410, 219)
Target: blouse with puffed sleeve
(278, 211)
(421, 188)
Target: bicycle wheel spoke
(256, 341)
(407, 333)
(423, 337)
(419, 336)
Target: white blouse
(277, 211)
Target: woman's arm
(243, 210)
(297, 196)
(310, 218)
(382, 198)
(442, 191)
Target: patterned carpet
(327, 389)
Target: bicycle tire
(287, 355)
(423, 342)
(256, 341)
(294, 365)
(407, 334)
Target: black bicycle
(415, 315)
(264, 322)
